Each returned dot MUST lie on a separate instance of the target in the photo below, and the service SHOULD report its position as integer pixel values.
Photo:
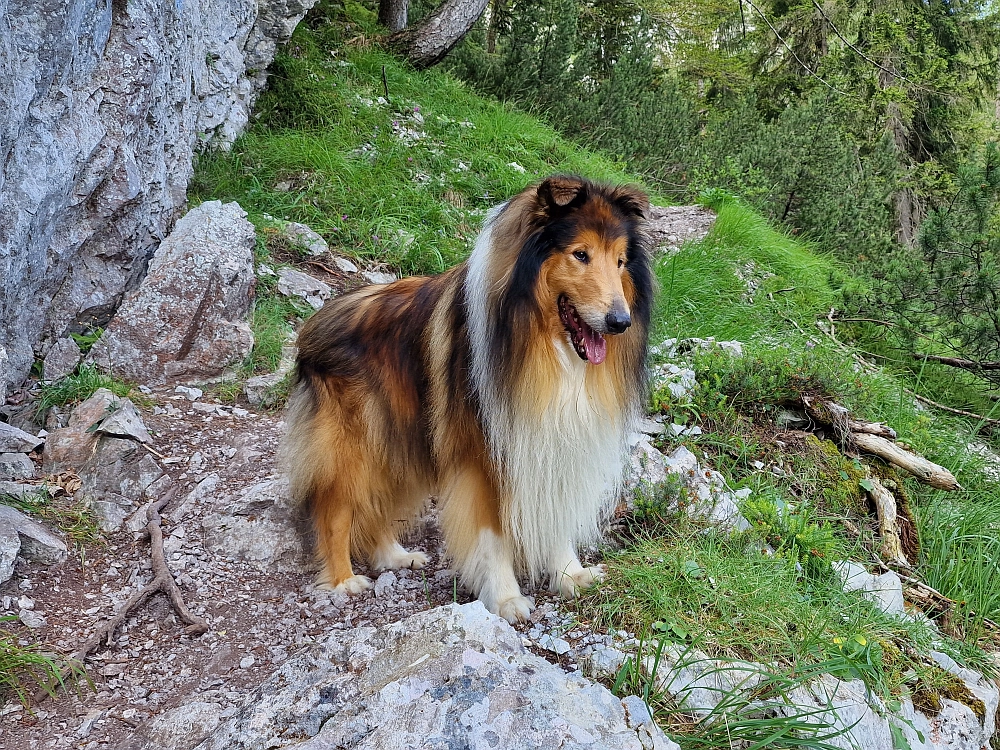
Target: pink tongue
(595, 346)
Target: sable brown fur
(472, 386)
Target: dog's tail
(300, 440)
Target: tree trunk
(392, 14)
(428, 43)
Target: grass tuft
(81, 385)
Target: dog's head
(587, 243)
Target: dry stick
(924, 470)
(885, 506)
(163, 582)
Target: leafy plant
(790, 530)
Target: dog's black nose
(617, 320)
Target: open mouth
(587, 342)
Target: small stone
(294, 283)
(304, 238)
(26, 602)
(378, 277)
(31, 619)
(191, 394)
(384, 583)
(345, 265)
(14, 440)
(16, 466)
(247, 661)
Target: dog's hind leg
(334, 517)
(390, 554)
(484, 555)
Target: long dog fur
(471, 386)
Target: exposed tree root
(162, 583)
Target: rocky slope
(102, 107)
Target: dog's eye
(621, 262)
(581, 256)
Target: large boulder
(187, 320)
(454, 676)
(103, 444)
(103, 106)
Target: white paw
(516, 609)
(353, 585)
(411, 560)
(570, 584)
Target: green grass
(81, 385)
(701, 293)
(28, 668)
(76, 520)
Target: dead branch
(885, 506)
(162, 583)
(862, 362)
(963, 364)
(953, 410)
(872, 428)
(924, 470)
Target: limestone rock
(345, 265)
(183, 727)
(304, 237)
(884, 590)
(102, 442)
(14, 440)
(21, 535)
(62, 359)
(378, 277)
(294, 283)
(188, 317)
(680, 381)
(259, 527)
(454, 676)
(16, 466)
(6, 377)
(101, 113)
(676, 348)
(10, 545)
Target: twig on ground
(162, 583)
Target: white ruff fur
(562, 470)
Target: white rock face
(102, 105)
(885, 590)
(454, 676)
(188, 317)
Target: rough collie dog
(506, 386)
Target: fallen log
(924, 470)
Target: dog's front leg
(489, 572)
(568, 577)
(484, 555)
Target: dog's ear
(632, 201)
(557, 193)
